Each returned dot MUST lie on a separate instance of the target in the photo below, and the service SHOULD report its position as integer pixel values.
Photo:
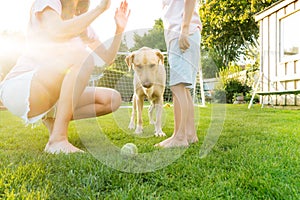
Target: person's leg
(190, 127)
(60, 81)
(72, 87)
(97, 101)
(180, 101)
(94, 102)
(49, 122)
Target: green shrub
(233, 82)
(234, 88)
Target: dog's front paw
(159, 134)
(139, 130)
(131, 125)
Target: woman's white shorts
(14, 94)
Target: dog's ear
(160, 56)
(129, 60)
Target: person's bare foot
(173, 142)
(192, 138)
(61, 147)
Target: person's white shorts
(14, 94)
(184, 65)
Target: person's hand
(105, 4)
(121, 16)
(184, 43)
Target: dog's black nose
(147, 85)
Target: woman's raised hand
(121, 16)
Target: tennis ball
(167, 105)
(129, 149)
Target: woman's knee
(116, 100)
(110, 99)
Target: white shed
(280, 53)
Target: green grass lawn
(257, 156)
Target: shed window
(290, 35)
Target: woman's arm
(59, 29)
(108, 54)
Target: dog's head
(145, 63)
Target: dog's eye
(152, 65)
(139, 66)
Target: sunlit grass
(257, 157)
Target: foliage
(209, 68)
(123, 45)
(233, 81)
(235, 88)
(153, 39)
(229, 28)
(232, 72)
(248, 97)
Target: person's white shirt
(173, 16)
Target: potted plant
(239, 97)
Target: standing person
(182, 35)
(50, 78)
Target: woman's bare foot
(61, 147)
(173, 142)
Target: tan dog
(149, 82)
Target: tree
(229, 28)
(123, 45)
(153, 39)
